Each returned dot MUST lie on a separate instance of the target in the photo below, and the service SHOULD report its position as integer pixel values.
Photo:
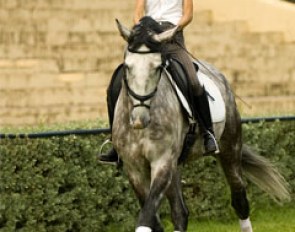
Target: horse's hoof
(143, 229)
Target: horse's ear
(124, 31)
(166, 35)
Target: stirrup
(117, 163)
(108, 141)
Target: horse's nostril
(140, 118)
(139, 123)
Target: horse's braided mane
(142, 34)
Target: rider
(171, 13)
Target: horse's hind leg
(179, 211)
(231, 164)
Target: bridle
(141, 98)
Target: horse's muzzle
(140, 118)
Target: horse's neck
(124, 103)
(165, 91)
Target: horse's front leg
(140, 182)
(161, 176)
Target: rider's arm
(139, 10)
(187, 14)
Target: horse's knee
(240, 204)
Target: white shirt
(164, 10)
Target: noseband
(141, 98)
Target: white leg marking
(246, 225)
(143, 229)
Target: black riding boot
(111, 156)
(205, 122)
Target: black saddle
(179, 75)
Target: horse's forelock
(142, 34)
(149, 23)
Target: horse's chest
(142, 144)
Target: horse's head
(143, 66)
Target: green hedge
(57, 184)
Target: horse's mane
(142, 34)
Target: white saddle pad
(216, 102)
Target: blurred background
(57, 56)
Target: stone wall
(259, 66)
(57, 56)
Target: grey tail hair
(262, 172)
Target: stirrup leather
(217, 151)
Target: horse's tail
(263, 173)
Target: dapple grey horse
(148, 133)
